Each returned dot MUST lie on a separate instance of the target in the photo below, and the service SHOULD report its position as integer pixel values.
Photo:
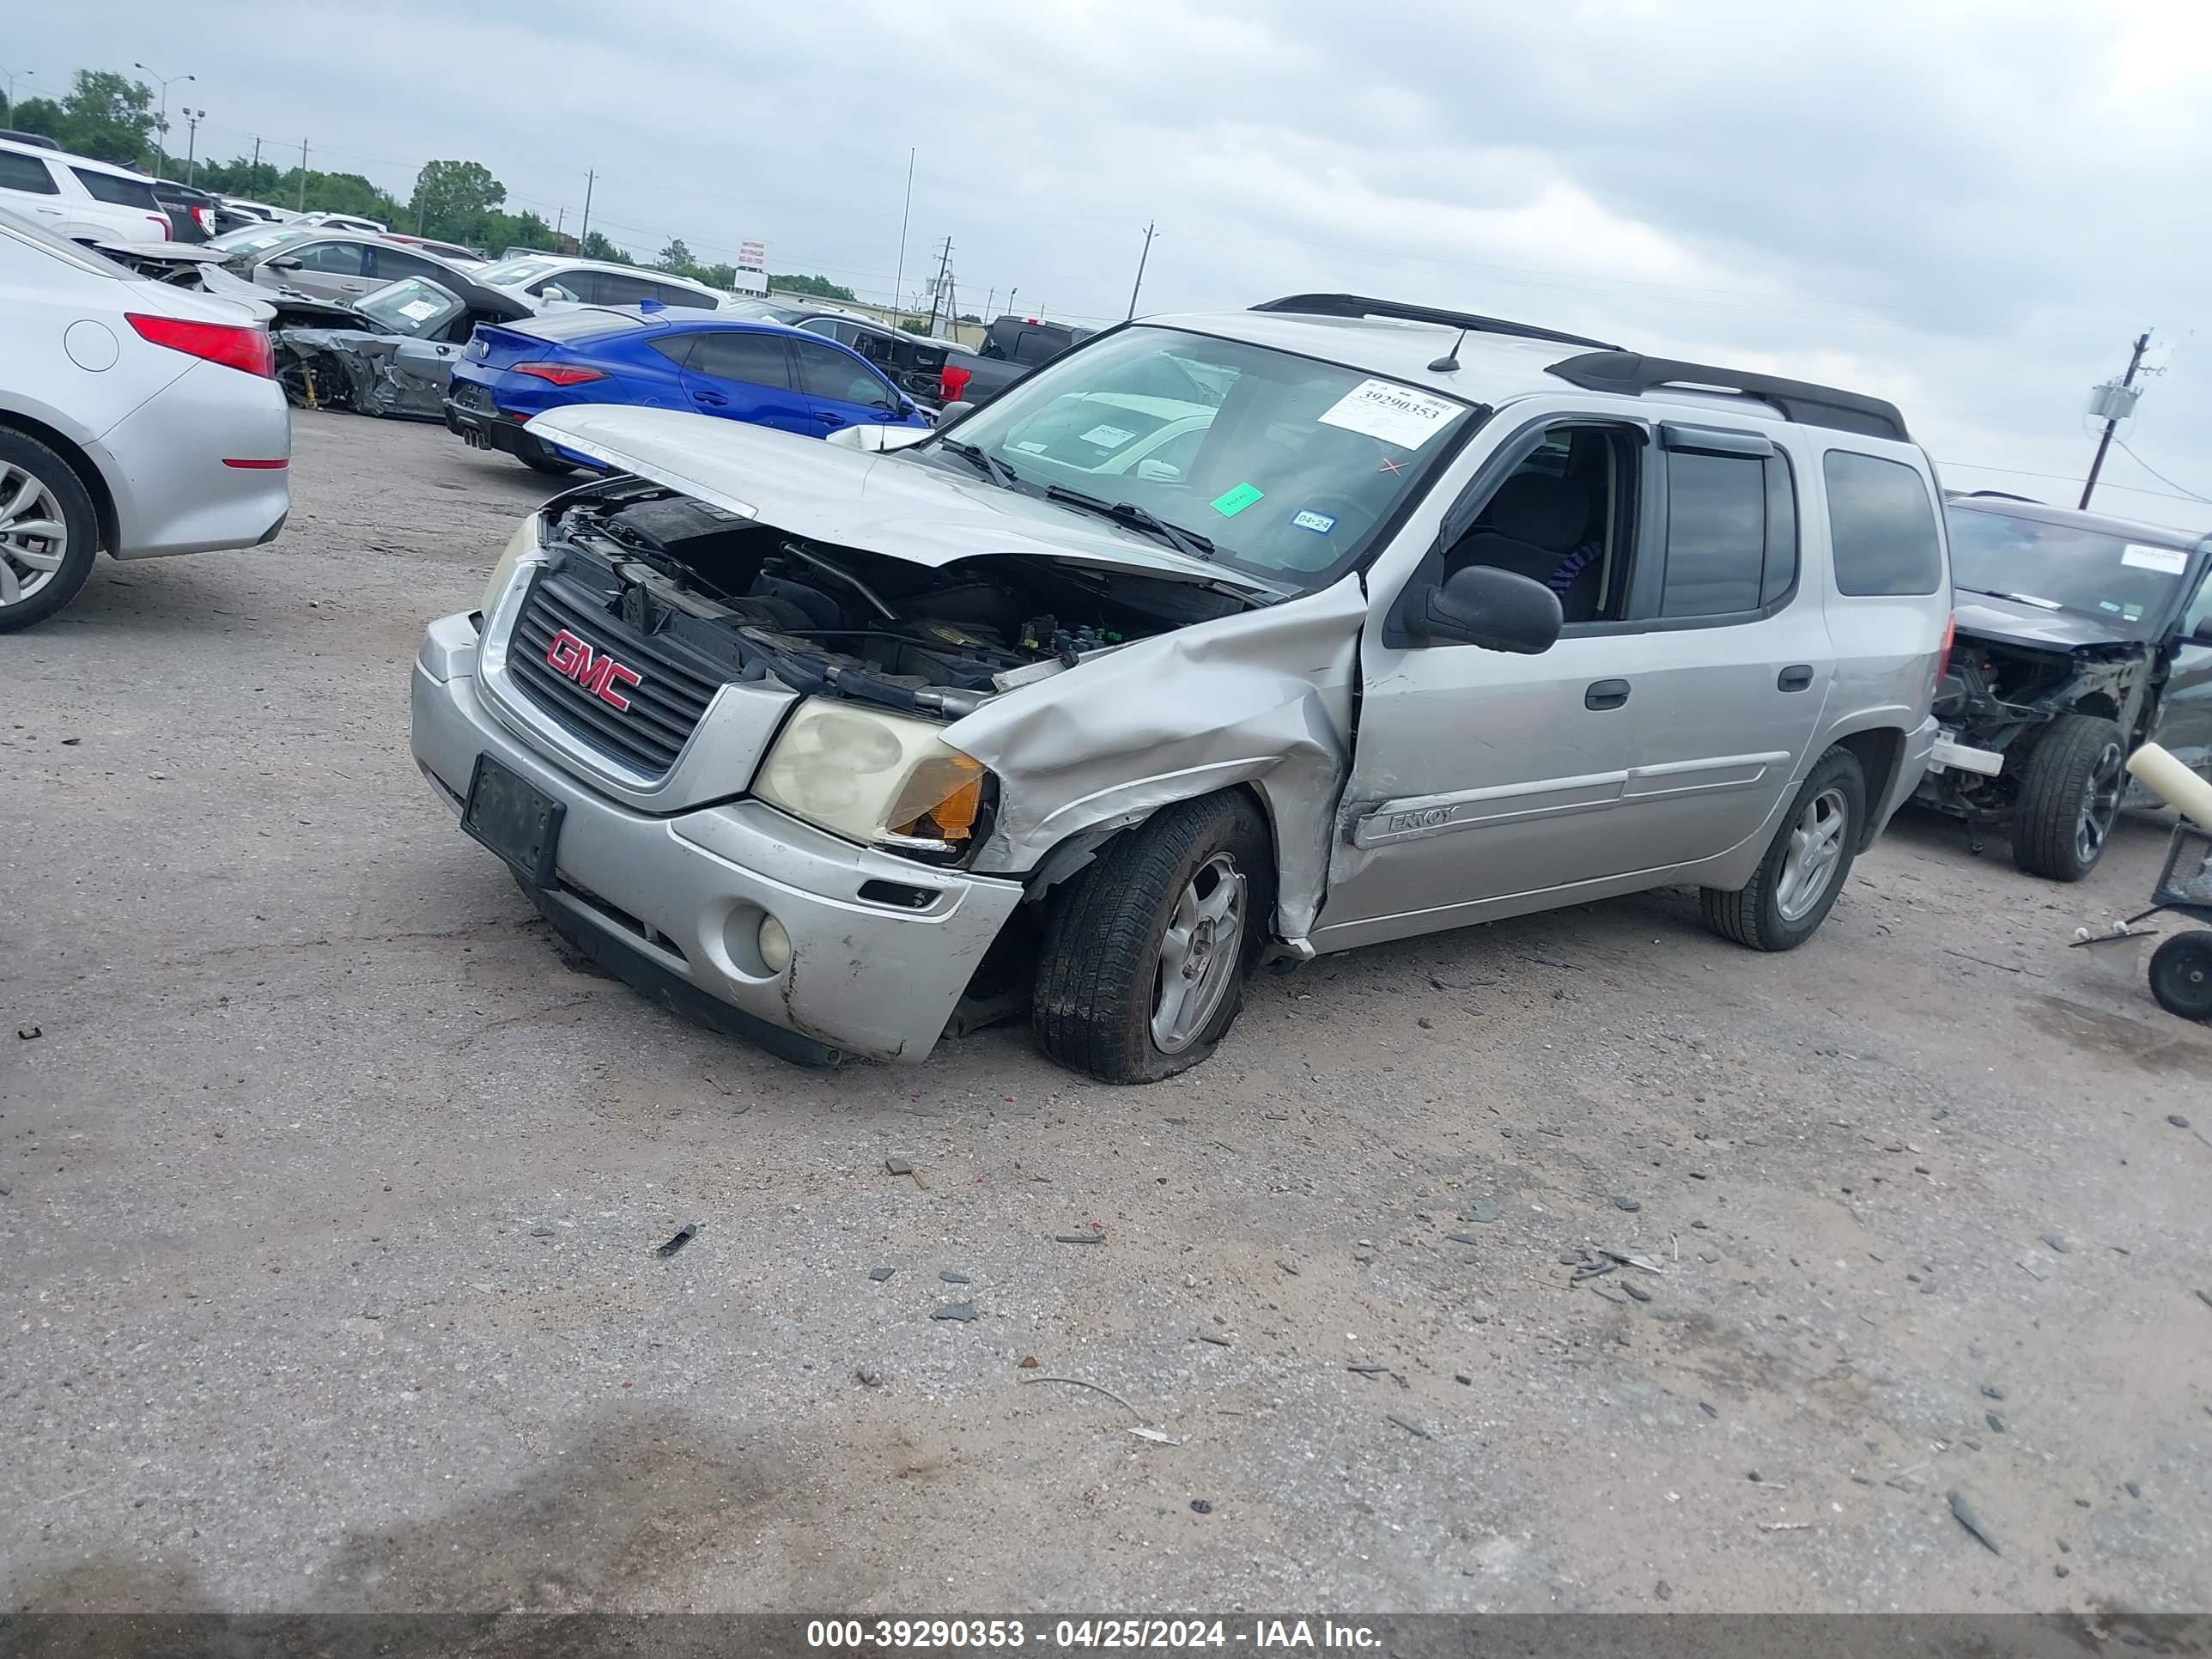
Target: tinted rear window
(26, 173)
(1882, 523)
(122, 192)
(1716, 534)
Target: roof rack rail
(1994, 495)
(1356, 305)
(1633, 374)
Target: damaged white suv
(1404, 619)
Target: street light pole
(160, 155)
(10, 74)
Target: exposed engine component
(825, 618)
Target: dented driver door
(1478, 779)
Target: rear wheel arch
(88, 472)
(1879, 751)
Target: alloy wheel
(34, 536)
(1201, 953)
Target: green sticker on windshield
(1230, 503)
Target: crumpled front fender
(1263, 697)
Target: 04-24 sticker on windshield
(1395, 414)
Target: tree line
(110, 118)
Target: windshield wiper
(2036, 600)
(1188, 542)
(980, 458)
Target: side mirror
(953, 410)
(1159, 471)
(1482, 605)
(284, 262)
(2204, 634)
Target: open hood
(883, 504)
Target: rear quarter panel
(1888, 647)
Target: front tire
(2181, 975)
(49, 532)
(1796, 883)
(2069, 798)
(1146, 948)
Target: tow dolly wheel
(2181, 975)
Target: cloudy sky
(1971, 206)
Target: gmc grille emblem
(595, 673)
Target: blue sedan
(651, 357)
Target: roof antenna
(1450, 361)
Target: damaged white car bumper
(813, 946)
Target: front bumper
(681, 898)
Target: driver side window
(1567, 517)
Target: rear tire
(1796, 883)
(2181, 975)
(1146, 948)
(41, 573)
(2069, 798)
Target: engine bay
(828, 618)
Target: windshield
(2131, 585)
(1287, 465)
(409, 306)
(516, 273)
(256, 239)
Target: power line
(2156, 474)
(2066, 478)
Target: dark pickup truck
(1012, 346)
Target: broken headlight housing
(523, 544)
(880, 778)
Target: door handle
(1606, 694)
(827, 419)
(1798, 676)
(714, 398)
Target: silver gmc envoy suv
(1221, 638)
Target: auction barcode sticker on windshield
(2170, 561)
(1395, 414)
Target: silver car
(326, 263)
(134, 416)
(1442, 619)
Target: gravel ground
(331, 1198)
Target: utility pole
(559, 218)
(1141, 258)
(937, 288)
(164, 80)
(898, 281)
(303, 175)
(2113, 420)
(590, 179)
(193, 119)
(257, 152)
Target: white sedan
(136, 417)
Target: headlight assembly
(880, 778)
(523, 544)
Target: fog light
(774, 944)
